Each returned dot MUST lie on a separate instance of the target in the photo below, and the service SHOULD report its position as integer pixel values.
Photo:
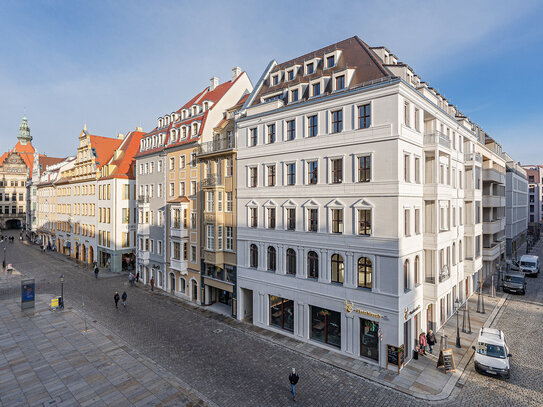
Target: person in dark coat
(123, 297)
(293, 379)
(116, 299)
(138, 277)
(96, 270)
(152, 282)
(431, 340)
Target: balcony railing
(473, 157)
(437, 138)
(220, 144)
(220, 274)
(143, 199)
(211, 181)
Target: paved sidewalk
(47, 359)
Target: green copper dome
(24, 132)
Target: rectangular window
(337, 220)
(193, 187)
(282, 313)
(364, 222)
(417, 170)
(417, 221)
(219, 237)
(340, 82)
(337, 171)
(364, 168)
(229, 202)
(176, 255)
(271, 133)
(407, 231)
(193, 253)
(312, 172)
(312, 126)
(313, 220)
(229, 166)
(271, 218)
(219, 201)
(406, 177)
(254, 137)
(253, 176)
(290, 75)
(254, 217)
(291, 130)
(417, 111)
(193, 160)
(291, 218)
(126, 191)
(181, 189)
(126, 215)
(294, 95)
(291, 174)
(229, 238)
(325, 326)
(210, 242)
(172, 189)
(406, 112)
(210, 201)
(316, 89)
(364, 116)
(337, 121)
(271, 175)
(310, 69)
(172, 163)
(330, 61)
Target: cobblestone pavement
(49, 359)
(232, 367)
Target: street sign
(446, 359)
(54, 303)
(27, 293)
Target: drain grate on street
(217, 331)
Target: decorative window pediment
(362, 204)
(252, 204)
(335, 203)
(270, 204)
(289, 204)
(311, 204)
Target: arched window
(364, 272)
(184, 132)
(272, 258)
(312, 265)
(194, 129)
(254, 256)
(337, 268)
(291, 261)
(417, 270)
(406, 275)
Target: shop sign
(27, 294)
(349, 307)
(407, 313)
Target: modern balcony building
(535, 197)
(516, 202)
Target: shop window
(282, 313)
(369, 339)
(326, 326)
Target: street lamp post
(457, 302)
(4, 262)
(61, 291)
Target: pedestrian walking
(138, 277)
(116, 298)
(96, 270)
(431, 340)
(422, 343)
(293, 379)
(152, 282)
(123, 297)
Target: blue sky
(115, 65)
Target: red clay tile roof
(104, 147)
(125, 163)
(46, 161)
(213, 96)
(179, 199)
(26, 152)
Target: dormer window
(194, 129)
(184, 132)
(316, 89)
(206, 106)
(275, 80)
(310, 68)
(330, 61)
(294, 95)
(340, 82)
(290, 75)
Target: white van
(491, 353)
(529, 265)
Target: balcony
(473, 158)
(495, 226)
(143, 228)
(218, 145)
(179, 232)
(219, 274)
(444, 274)
(492, 251)
(437, 138)
(142, 199)
(490, 174)
(493, 201)
(144, 255)
(179, 265)
(211, 181)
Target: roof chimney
(120, 136)
(236, 71)
(213, 83)
(139, 128)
